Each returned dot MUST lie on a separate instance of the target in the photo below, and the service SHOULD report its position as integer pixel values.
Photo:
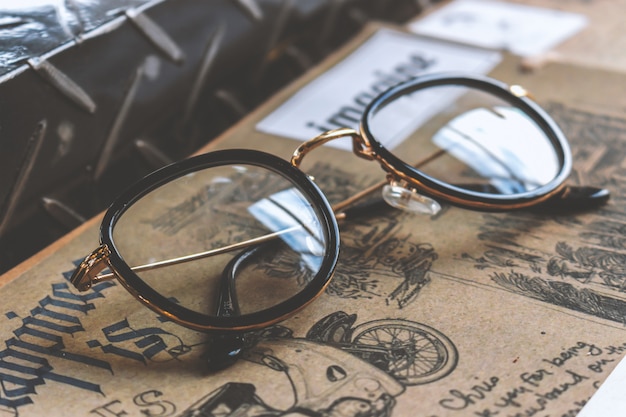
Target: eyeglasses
(237, 240)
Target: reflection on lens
(222, 207)
(472, 139)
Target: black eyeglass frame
(131, 281)
(447, 192)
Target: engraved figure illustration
(385, 249)
(359, 370)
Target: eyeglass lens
(489, 145)
(212, 209)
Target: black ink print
(338, 369)
(148, 344)
(229, 400)
(564, 295)
(586, 263)
(37, 354)
(339, 384)
(381, 250)
(372, 250)
(586, 270)
(502, 257)
(411, 352)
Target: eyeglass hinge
(360, 144)
(87, 272)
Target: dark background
(95, 95)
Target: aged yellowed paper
(459, 314)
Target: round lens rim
(203, 322)
(457, 196)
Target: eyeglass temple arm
(88, 271)
(575, 198)
(570, 199)
(226, 348)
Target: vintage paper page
(459, 314)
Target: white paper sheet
(523, 30)
(610, 399)
(338, 97)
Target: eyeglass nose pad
(409, 200)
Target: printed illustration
(359, 370)
(380, 249)
(378, 260)
(411, 352)
(587, 277)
